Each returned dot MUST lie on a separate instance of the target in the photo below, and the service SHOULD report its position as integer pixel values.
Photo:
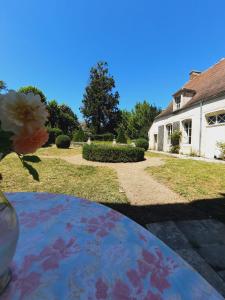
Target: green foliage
(175, 141)
(142, 143)
(102, 137)
(34, 90)
(140, 119)
(80, 136)
(62, 116)
(53, 133)
(121, 137)
(100, 104)
(175, 149)
(63, 141)
(105, 153)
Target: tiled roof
(208, 84)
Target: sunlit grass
(57, 176)
(191, 179)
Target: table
(71, 248)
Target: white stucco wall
(211, 134)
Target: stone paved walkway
(139, 186)
(200, 242)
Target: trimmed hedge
(105, 153)
(142, 143)
(102, 137)
(63, 141)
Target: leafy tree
(141, 119)
(34, 90)
(100, 103)
(2, 85)
(62, 117)
(54, 113)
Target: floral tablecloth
(71, 248)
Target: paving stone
(199, 264)
(214, 255)
(170, 234)
(203, 232)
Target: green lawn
(191, 179)
(54, 151)
(57, 176)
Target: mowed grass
(57, 176)
(191, 179)
(54, 151)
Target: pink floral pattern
(71, 248)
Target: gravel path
(139, 186)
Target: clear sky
(151, 46)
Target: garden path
(140, 187)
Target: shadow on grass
(197, 209)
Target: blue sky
(151, 46)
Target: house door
(155, 141)
(160, 138)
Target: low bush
(175, 141)
(142, 143)
(105, 153)
(102, 137)
(63, 141)
(221, 146)
(80, 136)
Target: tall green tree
(34, 90)
(100, 102)
(141, 119)
(54, 113)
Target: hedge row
(102, 137)
(105, 153)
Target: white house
(198, 111)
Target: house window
(212, 120)
(221, 118)
(216, 119)
(188, 131)
(177, 102)
(169, 133)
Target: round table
(71, 248)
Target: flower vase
(9, 232)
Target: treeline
(100, 110)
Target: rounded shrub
(63, 141)
(142, 143)
(105, 153)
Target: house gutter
(200, 130)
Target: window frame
(177, 100)
(187, 128)
(216, 117)
(169, 128)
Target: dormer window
(182, 97)
(177, 102)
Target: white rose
(18, 110)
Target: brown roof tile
(209, 84)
